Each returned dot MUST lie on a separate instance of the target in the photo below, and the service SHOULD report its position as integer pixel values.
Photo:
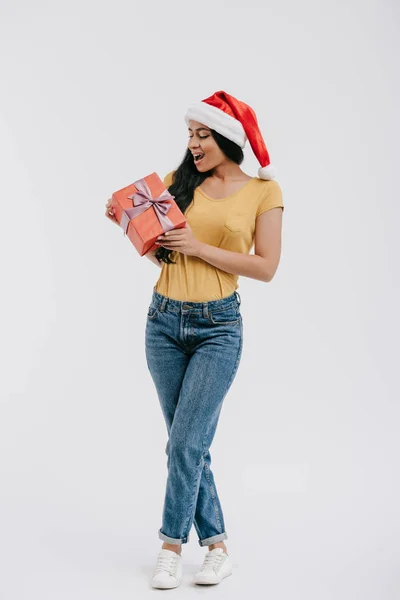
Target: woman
(194, 329)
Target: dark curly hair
(186, 178)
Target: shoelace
(212, 560)
(167, 563)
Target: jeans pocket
(226, 316)
(152, 311)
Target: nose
(193, 145)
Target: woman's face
(202, 142)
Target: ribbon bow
(143, 199)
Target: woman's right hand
(110, 212)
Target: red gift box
(145, 209)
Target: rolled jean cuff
(213, 539)
(171, 540)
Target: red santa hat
(236, 121)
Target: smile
(198, 158)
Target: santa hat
(236, 121)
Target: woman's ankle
(218, 545)
(174, 547)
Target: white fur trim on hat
(268, 172)
(219, 120)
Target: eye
(204, 137)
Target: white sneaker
(217, 565)
(168, 571)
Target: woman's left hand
(180, 240)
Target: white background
(93, 96)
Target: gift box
(145, 209)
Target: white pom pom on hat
(236, 121)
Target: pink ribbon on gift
(143, 199)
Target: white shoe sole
(165, 585)
(209, 581)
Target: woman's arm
(267, 250)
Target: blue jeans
(193, 351)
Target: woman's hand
(181, 240)
(110, 212)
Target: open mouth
(198, 158)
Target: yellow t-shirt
(227, 223)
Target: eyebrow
(199, 129)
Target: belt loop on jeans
(163, 304)
(238, 297)
(205, 310)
